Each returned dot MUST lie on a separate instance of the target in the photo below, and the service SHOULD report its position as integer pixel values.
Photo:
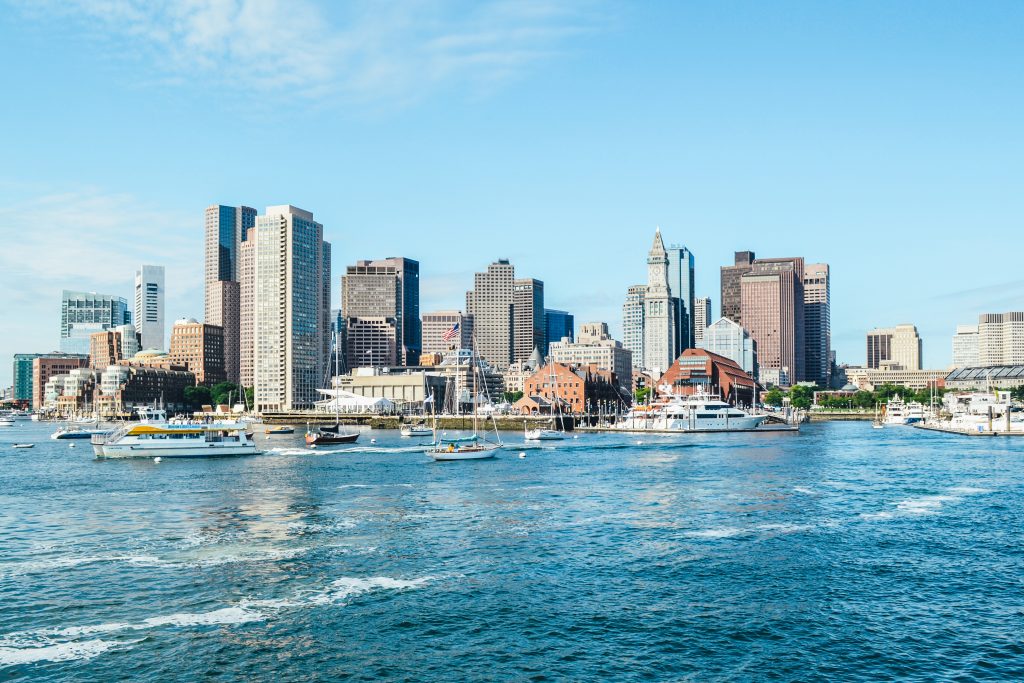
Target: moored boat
(167, 440)
(699, 412)
(78, 432)
(543, 435)
(462, 448)
(283, 429)
(319, 437)
(416, 430)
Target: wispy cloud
(92, 241)
(394, 51)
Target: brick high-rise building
(731, 294)
(200, 348)
(49, 365)
(227, 228)
(490, 303)
(772, 311)
(105, 349)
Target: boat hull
(465, 454)
(171, 451)
(417, 432)
(72, 435)
(331, 439)
(544, 435)
(733, 424)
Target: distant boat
(70, 432)
(465, 448)
(416, 430)
(23, 445)
(544, 435)
(283, 429)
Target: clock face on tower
(656, 271)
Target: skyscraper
(965, 346)
(633, 322)
(772, 311)
(1001, 338)
(227, 228)
(817, 324)
(528, 329)
(730, 294)
(291, 322)
(200, 348)
(149, 306)
(659, 314)
(85, 313)
(246, 314)
(490, 303)
(680, 287)
(898, 345)
(558, 325)
(380, 302)
(701, 319)
(446, 330)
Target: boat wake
(79, 642)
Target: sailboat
(327, 435)
(472, 447)
(543, 434)
(877, 423)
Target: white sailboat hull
(476, 453)
(544, 435)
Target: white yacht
(695, 413)
(899, 412)
(990, 411)
(543, 435)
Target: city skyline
(890, 159)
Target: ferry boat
(167, 440)
(898, 412)
(698, 412)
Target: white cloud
(394, 51)
(91, 241)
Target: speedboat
(6, 421)
(168, 440)
(283, 429)
(72, 432)
(462, 448)
(321, 438)
(544, 435)
(416, 430)
(22, 445)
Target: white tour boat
(156, 437)
(898, 412)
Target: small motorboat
(416, 430)
(22, 445)
(543, 435)
(283, 429)
(318, 437)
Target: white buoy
(312, 445)
(71, 445)
(157, 459)
(639, 443)
(522, 455)
(373, 440)
(575, 437)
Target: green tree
(772, 398)
(801, 396)
(197, 397)
(864, 399)
(224, 392)
(511, 396)
(1017, 393)
(641, 394)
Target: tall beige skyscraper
(292, 309)
(490, 303)
(226, 229)
(1001, 338)
(247, 309)
(898, 345)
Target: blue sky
(882, 138)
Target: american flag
(451, 334)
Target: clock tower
(659, 313)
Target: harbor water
(837, 553)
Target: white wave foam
(925, 505)
(785, 528)
(303, 528)
(60, 652)
(804, 490)
(67, 562)
(726, 532)
(969, 491)
(348, 587)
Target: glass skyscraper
(680, 286)
(85, 313)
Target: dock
(965, 432)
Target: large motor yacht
(694, 413)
